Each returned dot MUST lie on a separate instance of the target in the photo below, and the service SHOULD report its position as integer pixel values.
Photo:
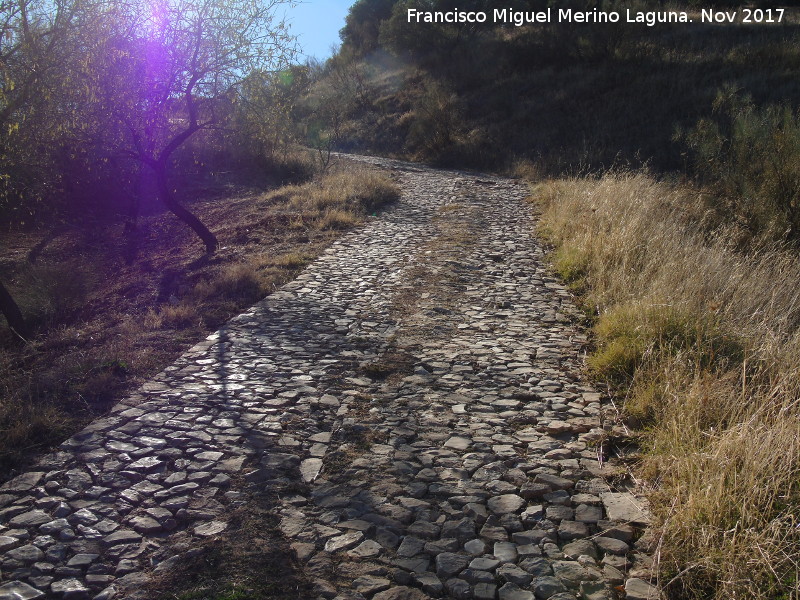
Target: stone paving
(420, 383)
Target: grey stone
(17, 590)
(429, 583)
(370, 585)
(449, 564)
(611, 545)
(511, 591)
(475, 547)
(545, 587)
(26, 554)
(506, 503)
(484, 563)
(536, 566)
(344, 542)
(625, 507)
(458, 589)
(30, 519)
(514, 574)
(484, 591)
(69, 588)
(400, 593)
(639, 589)
(210, 529)
(310, 468)
(123, 536)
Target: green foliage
(631, 335)
(437, 119)
(752, 157)
(363, 23)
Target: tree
(363, 23)
(31, 35)
(169, 69)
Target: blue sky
(317, 24)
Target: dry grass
(702, 340)
(105, 321)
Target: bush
(752, 158)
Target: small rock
(544, 587)
(449, 564)
(511, 591)
(17, 590)
(344, 542)
(400, 593)
(369, 585)
(506, 503)
(639, 589)
(210, 529)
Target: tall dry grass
(702, 341)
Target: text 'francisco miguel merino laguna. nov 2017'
(568, 15)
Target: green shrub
(752, 158)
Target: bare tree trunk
(209, 239)
(12, 313)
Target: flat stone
(26, 554)
(594, 590)
(146, 524)
(344, 542)
(458, 443)
(536, 566)
(22, 483)
(82, 560)
(458, 589)
(475, 547)
(570, 572)
(505, 551)
(210, 529)
(485, 591)
(506, 503)
(514, 574)
(30, 519)
(554, 482)
(366, 549)
(369, 585)
(484, 563)
(7, 542)
(572, 530)
(545, 587)
(69, 588)
(146, 464)
(17, 590)
(123, 536)
(449, 564)
(611, 545)
(639, 589)
(310, 468)
(624, 507)
(400, 593)
(511, 591)
(429, 583)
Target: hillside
(567, 97)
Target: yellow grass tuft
(702, 340)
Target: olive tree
(169, 69)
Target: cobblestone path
(419, 389)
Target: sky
(317, 24)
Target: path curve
(418, 387)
